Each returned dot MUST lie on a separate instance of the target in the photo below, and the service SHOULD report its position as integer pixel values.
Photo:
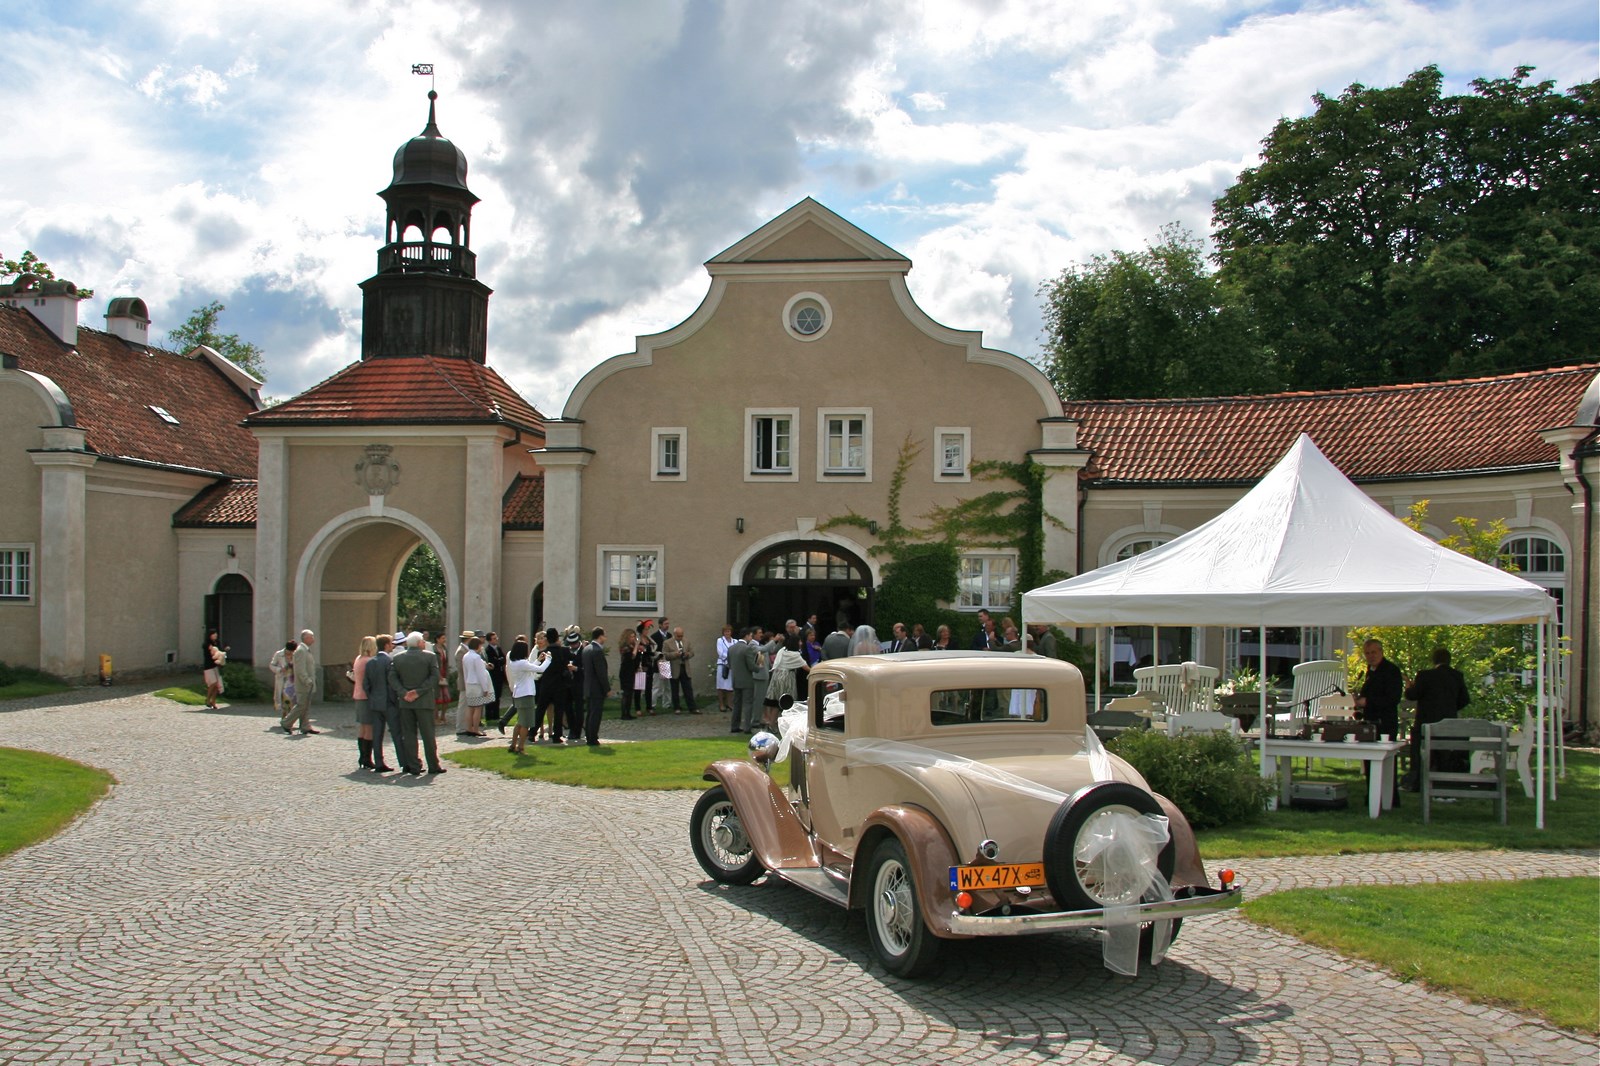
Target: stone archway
(798, 578)
(347, 581)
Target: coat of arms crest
(377, 473)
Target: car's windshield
(960, 706)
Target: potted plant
(1240, 696)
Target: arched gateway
(800, 578)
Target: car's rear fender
(930, 851)
(775, 831)
(1187, 869)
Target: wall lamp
(230, 551)
(738, 523)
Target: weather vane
(425, 69)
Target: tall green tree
(32, 264)
(1399, 234)
(1148, 324)
(421, 592)
(202, 328)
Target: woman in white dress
(787, 664)
(477, 689)
(724, 678)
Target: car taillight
(1226, 877)
(963, 900)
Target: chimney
(55, 303)
(128, 318)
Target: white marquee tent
(1304, 547)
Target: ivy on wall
(923, 563)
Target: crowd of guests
(552, 688)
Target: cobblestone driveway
(244, 897)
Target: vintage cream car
(953, 795)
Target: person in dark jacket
(555, 687)
(1440, 692)
(1379, 698)
(596, 683)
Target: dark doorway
(799, 579)
(230, 610)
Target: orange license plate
(1003, 875)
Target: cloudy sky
(191, 150)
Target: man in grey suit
(742, 659)
(379, 701)
(836, 645)
(596, 683)
(414, 681)
(305, 685)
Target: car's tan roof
(955, 669)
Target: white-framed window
(1541, 560)
(844, 443)
(952, 453)
(16, 573)
(771, 444)
(807, 316)
(669, 454)
(630, 578)
(987, 582)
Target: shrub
(1208, 775)
(8, 676)
(240, 683)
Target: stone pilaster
(63, 468)
(273, 596)
(563, 459)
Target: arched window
(1540, 560)
(1144, 645)
(1139, 547)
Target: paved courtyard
(245, 897)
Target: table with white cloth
(1380, 753)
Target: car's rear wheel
(900, 938)
(1090, 884)
(720, 843)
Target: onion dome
(430, 159)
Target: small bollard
(105, 669)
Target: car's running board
(818, 883)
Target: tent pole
(1538, 813)
(1261, 725)
(1155, 646)
(1552, 712)
(1558, 731)
(1097, 695)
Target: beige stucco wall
(21, 413)
(131, 568)
(203, 560)
(872, 357)
(521, 570)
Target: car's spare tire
(1078, 885)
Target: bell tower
(426, 298)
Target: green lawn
(667, 764)
(40, 794)
(1458, 937)
(21, 690)
(188, 695)
(1571, 821)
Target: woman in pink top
(357, 674)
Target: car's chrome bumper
(1206, 901)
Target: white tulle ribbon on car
(1127, 847)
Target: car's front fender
(775, 831)
(1187, 869)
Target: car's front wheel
(720, 843)
(900, 938)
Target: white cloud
(189, 150)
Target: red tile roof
(113, 384)
(225, 505)
(1389, 431)
(422, 389)
(523, 504)
(232, 505)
